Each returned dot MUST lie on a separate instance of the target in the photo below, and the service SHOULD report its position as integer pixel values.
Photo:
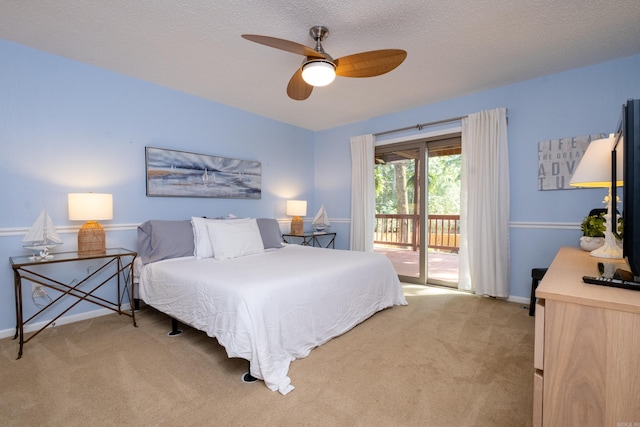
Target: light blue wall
(574, 103)
(67, 126)
(70, 127)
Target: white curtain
(363, 198)
(484, 222)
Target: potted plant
(593, 228)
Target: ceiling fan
(319, 68)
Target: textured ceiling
(455, 47)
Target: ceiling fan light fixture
(318, 72)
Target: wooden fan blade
(297, 88)
(282, 44)
(369, 64)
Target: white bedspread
(275, 307)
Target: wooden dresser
(587, 348)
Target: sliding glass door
(408, 176)
(398, 208)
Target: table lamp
(297, 209)
(90, 207)
(594, 171)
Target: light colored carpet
(446, 359)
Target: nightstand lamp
(90, 207)
(297, 209)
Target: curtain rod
(420, 126)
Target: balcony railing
(443, 231)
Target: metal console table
(116, 263)
(312, 239)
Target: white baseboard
(64, 320)
(519, 300)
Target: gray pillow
(270, 232)
(158, 240)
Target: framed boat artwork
(172, 173)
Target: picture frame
(558, 160)
(174, 173)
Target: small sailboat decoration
(41, 237)
(321, 221)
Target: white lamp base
(612, 247)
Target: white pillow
(232, 239)
(201, 243)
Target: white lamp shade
(594, 169)
(90, 206)
(296, 207)
(318, 72)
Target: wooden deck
(441, 266)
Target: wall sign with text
(559, 158)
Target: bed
(264, 301)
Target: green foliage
(386, 188)
(621, 227)
(443, 183)
(593, 226)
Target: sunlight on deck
(441, 266)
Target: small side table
(320, 240)
(115, 263)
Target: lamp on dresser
(595, 171)
(90, 207)
(297, 209)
